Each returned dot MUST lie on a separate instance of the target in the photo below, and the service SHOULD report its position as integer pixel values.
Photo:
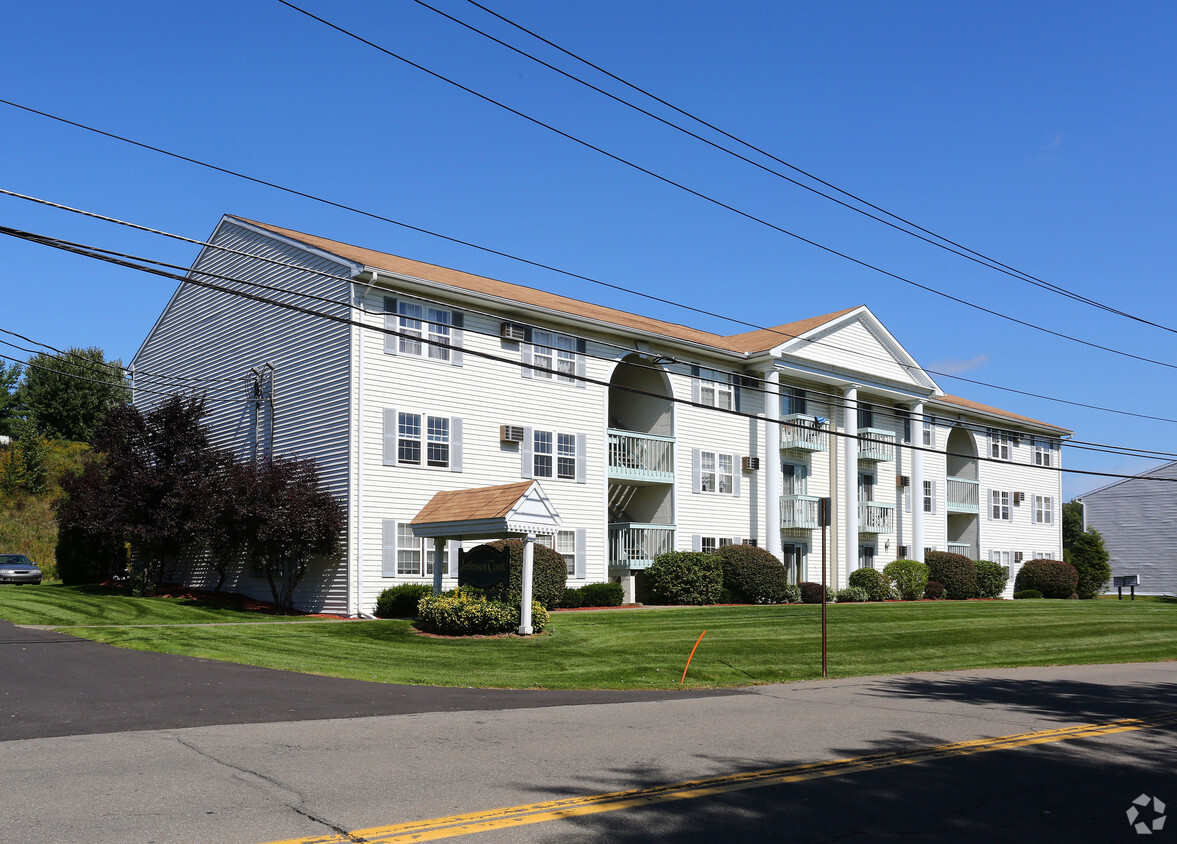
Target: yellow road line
(514, 816)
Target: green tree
(70, 393)
(25, 467)
(1084, 549)
(1072, 522)
(9, 403)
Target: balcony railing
(799, 511)
(636, 546)
(963, 495)
(875, 446)
(876, 518)
(800, 432)
(642, 458)
(961, 548)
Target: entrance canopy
(489, 512)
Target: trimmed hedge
(1027, 593)
(1053, 578)
(991, 578)
(467, 612)
(401, 601)
(852, 595)
(685, 577)
(877, 587)
(934, 591)
(910, 577)
(549, 573)
(792, 594)
(956, 572)
(592, 595)
(752, 575)
(811, 593)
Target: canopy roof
(490, 512)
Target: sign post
(823, 518)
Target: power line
(127, 261)
(927, 236)
(784, 334)
(745, 214)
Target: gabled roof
(968, 404)
(490, 511)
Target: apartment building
(404, 379)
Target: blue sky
(1038, 134)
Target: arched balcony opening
(963, 493)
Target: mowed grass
(648, 648)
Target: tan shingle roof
(984, 408)
(468, 505)
(767, 338)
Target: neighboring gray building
(1137, 518)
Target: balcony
(640, 458)
(800, 432)
(875, 445)
(963, 495)
(799, 512)
(635, 546)
(962, 548)
(876, 518)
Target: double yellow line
(515, 816)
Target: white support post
(850, 482)
(772, 462)
(916, 552)
(439, 544)
(525, 628)
(629, 589)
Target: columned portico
(850, 478)
(772, 462)
(917, 483)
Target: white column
(917, 483)
(438, 551)
(525, 628)
(850, 480)
(772, 462)
(628, 589)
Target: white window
(1043, 453)
(866, 415)
(929, 436)
(715, 389)
(1043, 510)
(716, 472)
(793, 400)
(553, 455)
(417, 322)
(408, 551)
(929, 496)
(998, 444)
(1000, 557)
(999, 505)
(708, 544)
(411, 429)
(554, 356)
(1043, 555)
(564, 543)
(866, 556)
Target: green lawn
(636, 649)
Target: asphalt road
(170, 749)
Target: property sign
(485, 568)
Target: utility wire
(745, 214)
(123, 260)
(783, 334)
(927, 236)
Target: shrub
(549, 573)
(685, 577)
(467, 612)
(88, 558)
(571, 599)
(991, 578)
(956, 572)
(852, 595)
(877, 587)
(1027, 593)
(1053, 578)
(1090, 559)
(401, 601)
(811, 593)
(910, 577)
(791, 594)
(934, 591)
(752, 574)
(602, 594)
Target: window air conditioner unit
(1019, 497)
(511, 331)
(902, 481)
(751, 464)
(511, 433)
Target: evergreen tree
(1084, 549)
(9, 404)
